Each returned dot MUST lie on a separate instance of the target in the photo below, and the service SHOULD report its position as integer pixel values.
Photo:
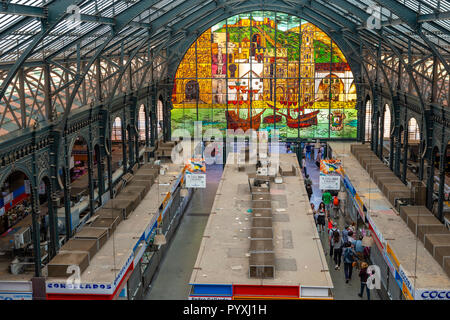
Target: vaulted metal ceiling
(37, 39)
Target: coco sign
(432, 294)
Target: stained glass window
(266, 70)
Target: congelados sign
(87, 288)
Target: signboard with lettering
(195, 169)
(432, 294)
(408, 285)
(196, 180)
(330, 174)
(16, 296)
(209, 298)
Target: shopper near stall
(336, 207)
(351, 239)
(315, 213)
(318, 158)
(321, 217)
(330, 224)
(338, 244)
(326, 198)
(308, 151)
(364, 275)
(359, 248)
(349, 258)
(345, 234)
(304, 166)
(331, 231)
(308, 186)
(316, 148)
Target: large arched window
(159, 116)
(117, 130)
(141, 123)
(387, 122)
(266, 70)
(413, 130)
(368, 120)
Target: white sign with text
(196, 180)
(329, 182)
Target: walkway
(342, 290)
(172, 279)
(171, 282)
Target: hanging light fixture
(160, 238)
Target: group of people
(311, 151)
(344, 245)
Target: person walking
(321, 216)
(364, 275)
(338, 244)
(359, 248)
(331, 235)
(326, 198)
(345, 234)
(349, 258)
(315, 214)
(318, 158)
(316, 147)
(308, 186)
(308, 151)
(304, 166)
(351, 239)
(336, 207)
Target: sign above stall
(195, 169)
(330, 174)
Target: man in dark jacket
(363, 275)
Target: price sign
(197, 180)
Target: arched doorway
(433, 189)
(160, 117)
(119, 144)
(78, 170)
(387, 122)
(384, 129)
(15, 202)
(413, 145)
(17, 217)
(141, 125)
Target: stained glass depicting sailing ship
(266, 70)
